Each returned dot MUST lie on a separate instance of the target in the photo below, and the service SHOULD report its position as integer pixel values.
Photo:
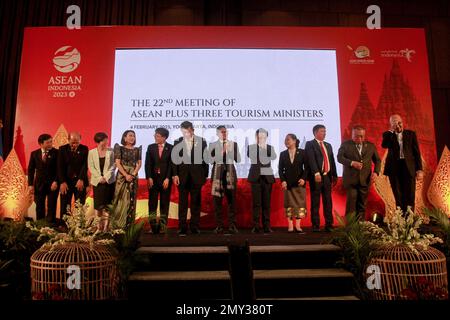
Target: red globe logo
(66, 59)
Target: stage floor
(280, 236)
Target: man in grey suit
(357, 156)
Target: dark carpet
(280, 236)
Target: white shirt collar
(318, 141)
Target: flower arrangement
(364, 243)
(80, 228)
(402, 229)
(424, 289)
(53, 292)
(441, 220)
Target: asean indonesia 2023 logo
(66, 59)
(65, 84)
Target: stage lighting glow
(439, 191)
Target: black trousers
(318, 190)
(403, 186)
(194, 191)
(164, 197)
(357, 200)
(66, 199)
(230, 195)
(261, 195)
(45, 193)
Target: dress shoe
(218, 230)
(232, 229)
(195, 231)
(268, 230)
(329, 229)
(182, 232)
(316, 229)
(255, 230)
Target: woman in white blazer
(102, 166)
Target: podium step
(304, 271)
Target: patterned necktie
(359, 147)
(326, 164)
(45, 156)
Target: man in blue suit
(323, 177)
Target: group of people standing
(185, 164)
(64, 172)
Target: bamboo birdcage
(97, 266)
(399, 267)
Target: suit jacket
(411, 152)
(73, 165)
(108, 169)
(292, 172)
(41, 173)
(315, 159)
(153, 162)
(183, 162)
(348, 152)
(261, 163)
(231, 156)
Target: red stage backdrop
(379, 72)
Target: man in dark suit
(403, 162)
(357, 156)
(72, 172)
(158, 172)
(261, 179)
(189, 172)
(223, 153)
(323, 177)
(43, 177)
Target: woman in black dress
(128, 162)
(292, 170)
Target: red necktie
(326, 164)
(44, 156)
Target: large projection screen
(283, 91)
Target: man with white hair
(72, 171)
(403, 162)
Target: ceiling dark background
(433, 16)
